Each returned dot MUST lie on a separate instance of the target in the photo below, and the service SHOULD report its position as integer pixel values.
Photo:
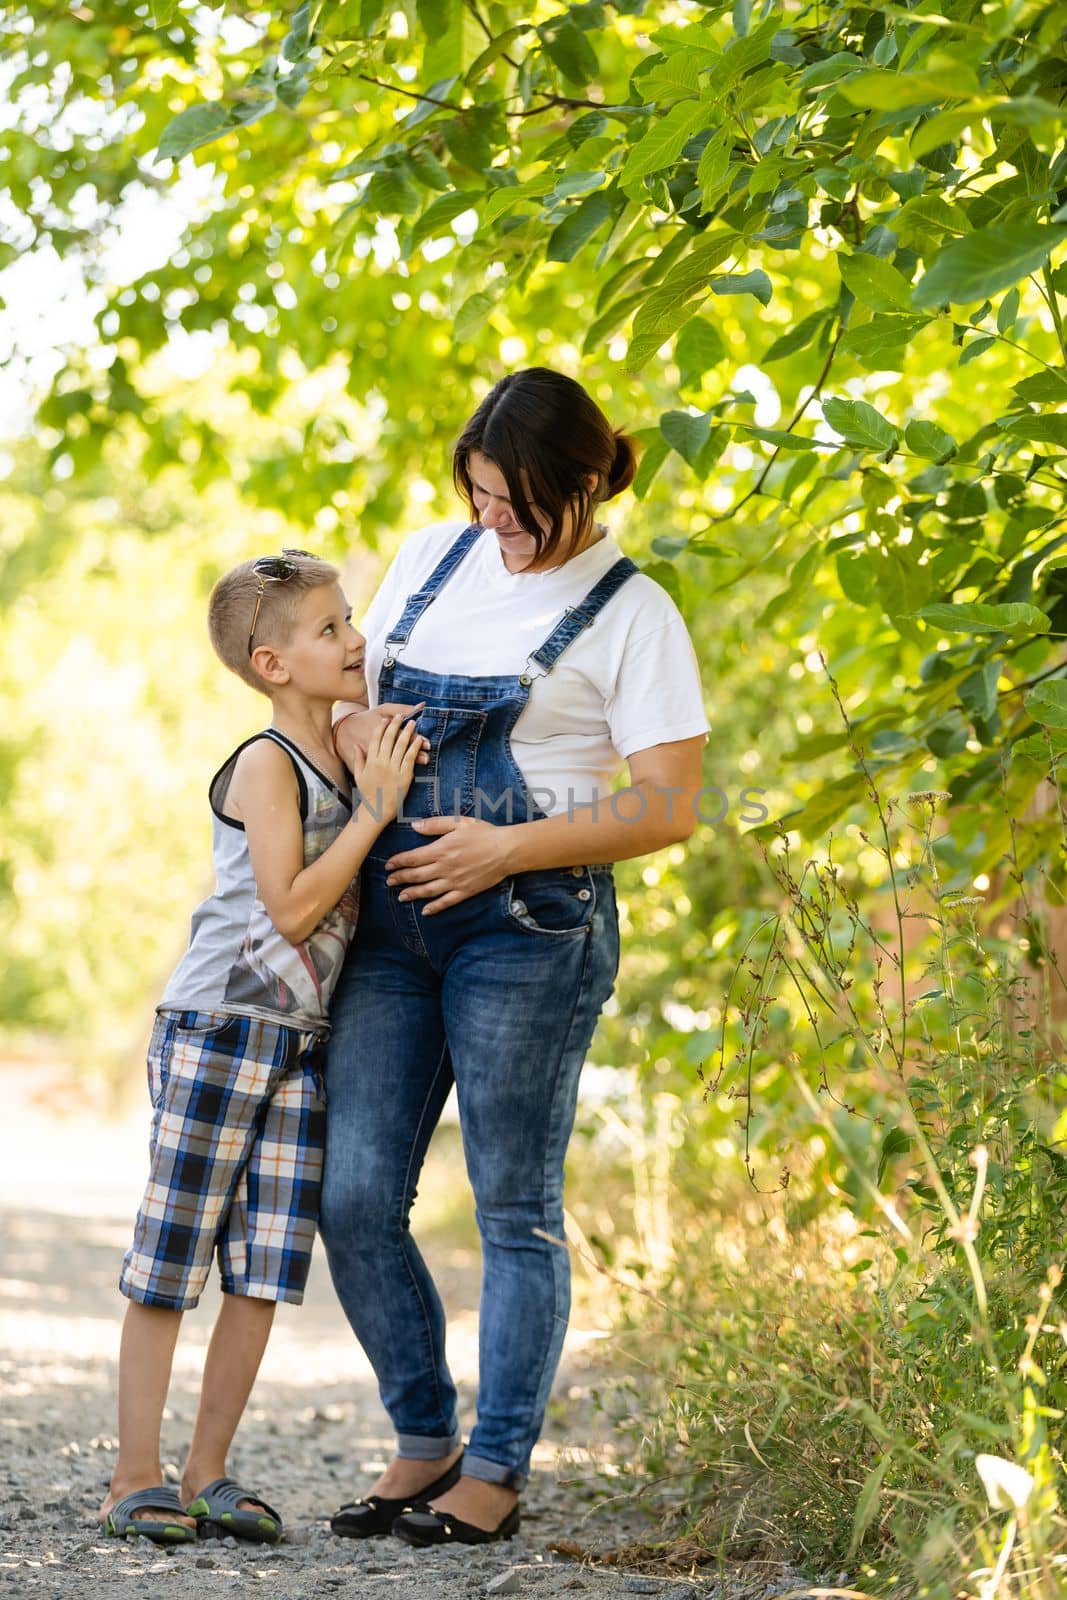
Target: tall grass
(860, 1355)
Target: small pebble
(504, 1583)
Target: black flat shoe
(373, 1516)
(425, 1527)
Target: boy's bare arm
(265, 797)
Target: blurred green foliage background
(813, 256)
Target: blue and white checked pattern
(236, 1160)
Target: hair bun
(624, 466)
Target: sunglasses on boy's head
(276, 569)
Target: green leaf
(500, 45)
(392, 194)
(800, 579)
(661, 145)
(756, 283)
(855, 574)
(568, 48)
(984, 619)
(1037, 428)
(986, 261)
(1036, 747)
(875, 283)
(579, 226)
(976, 348)
(685, 433)
(978, 691)
(860, 424)
(191, 128)
(676, 75)
(778, 436)
(890, 91)
(1044, 388)
(881, 343)
(654, 455)
(574, 184)
(434, 17)
(468, 138)
(742, 55)
(1008, 311)
(700, 348)
(926, 439)
(943, 128)
(442, 211)
(713, 169)
(1047, 704)
(425, 167)
(673, 302)
(512, 194)
(295, 44)
(798, 338)
(895, 1143)
(472, 314)
(831, 801)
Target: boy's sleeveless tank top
(237, 961)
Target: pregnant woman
(487, 945)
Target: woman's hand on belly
(465, 857)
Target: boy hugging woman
(237, 1052)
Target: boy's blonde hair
(233, 604)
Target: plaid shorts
(236, 1148)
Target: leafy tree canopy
(814, 251)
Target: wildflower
(929, 797)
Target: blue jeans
(500, 994)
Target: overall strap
(576, 618)
(417, 602)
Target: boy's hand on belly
(352, 736)
(465, 857)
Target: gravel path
(315, 1433)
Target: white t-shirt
(627, 682)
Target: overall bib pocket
(454, 734)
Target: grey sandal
(122, 1524)
(217, 1512)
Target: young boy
(236, 1057)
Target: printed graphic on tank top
(237, 961)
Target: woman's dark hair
(543, 424)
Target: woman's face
(489, 491)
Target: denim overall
(501, 995)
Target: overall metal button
(585, 894)
(577, 872)
(519, 907)
(526, 680)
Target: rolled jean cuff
(492, 1472)
(423, 1447)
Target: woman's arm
(658, 808)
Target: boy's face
(324, 653)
